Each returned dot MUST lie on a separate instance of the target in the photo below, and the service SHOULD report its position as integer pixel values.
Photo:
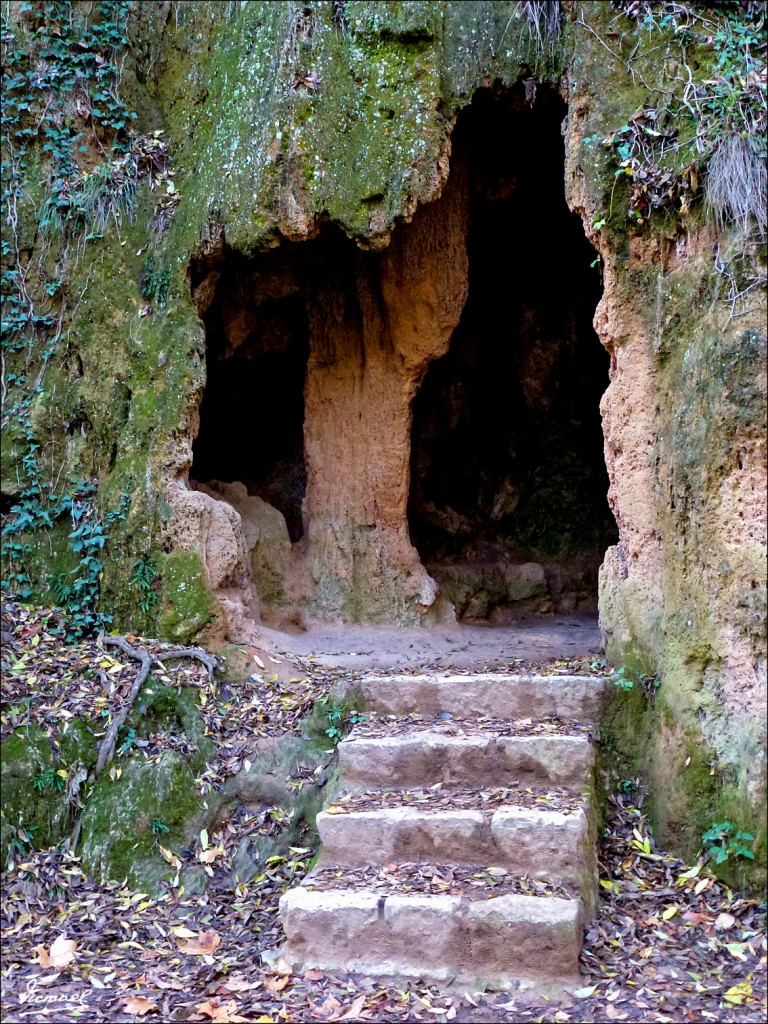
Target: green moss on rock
(25, 756)
(160, 708)
(187, 604)
(117, 837)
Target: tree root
(107, 745)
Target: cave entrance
(508, 500)
(252, 411)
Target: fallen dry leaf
(353, 1013)
(169, 856)
(203, 945)
(221, 1012)
(277, 984)
(237, 983)
(62, 953)
(138, 1005)
(725, 920)
(209, 856)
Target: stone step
(413, 757)
(569, 697)
(543, 843)
(505, 941)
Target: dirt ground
(458, 646)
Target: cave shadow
(508, 500)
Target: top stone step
(567, 697)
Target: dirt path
(445, 647)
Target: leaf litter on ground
(670, 943)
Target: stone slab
(482, 760)
(539, 843)
(501, 941)
(570, 698)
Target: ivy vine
(71, 164)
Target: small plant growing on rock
(622, 680)
(723, 843)
(22, 841)
(48, 781)
(144, 575)
(341, 718)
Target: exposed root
(146, 660)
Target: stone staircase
(461, 846)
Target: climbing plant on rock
(71, 165)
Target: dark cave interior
(507, 466)
(252, 411)
(507, 450)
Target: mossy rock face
(188, 603)
(688, 790)
(78, 744)
(160, 708)
(39, 810)
(118, 837)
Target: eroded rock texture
(374, 362)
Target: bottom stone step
(505, 941)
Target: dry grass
(737, 183)
(543, 20)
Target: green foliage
(154, 282)
(721, 842)
(79, 595)
(341, 718)
(622, 681)
(22, 841)
(56, 56)
(144, 575)
(128, 741)
(71, 163)
(705, 117)
(49, 781)
(158, 827)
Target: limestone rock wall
(284, 125)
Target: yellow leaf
(258, 661)
(335, 809)
(669, 913)
(63, 773)
(738, 993)
(204, 838)
(172, 859)
(182, 932)
(606, 884)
